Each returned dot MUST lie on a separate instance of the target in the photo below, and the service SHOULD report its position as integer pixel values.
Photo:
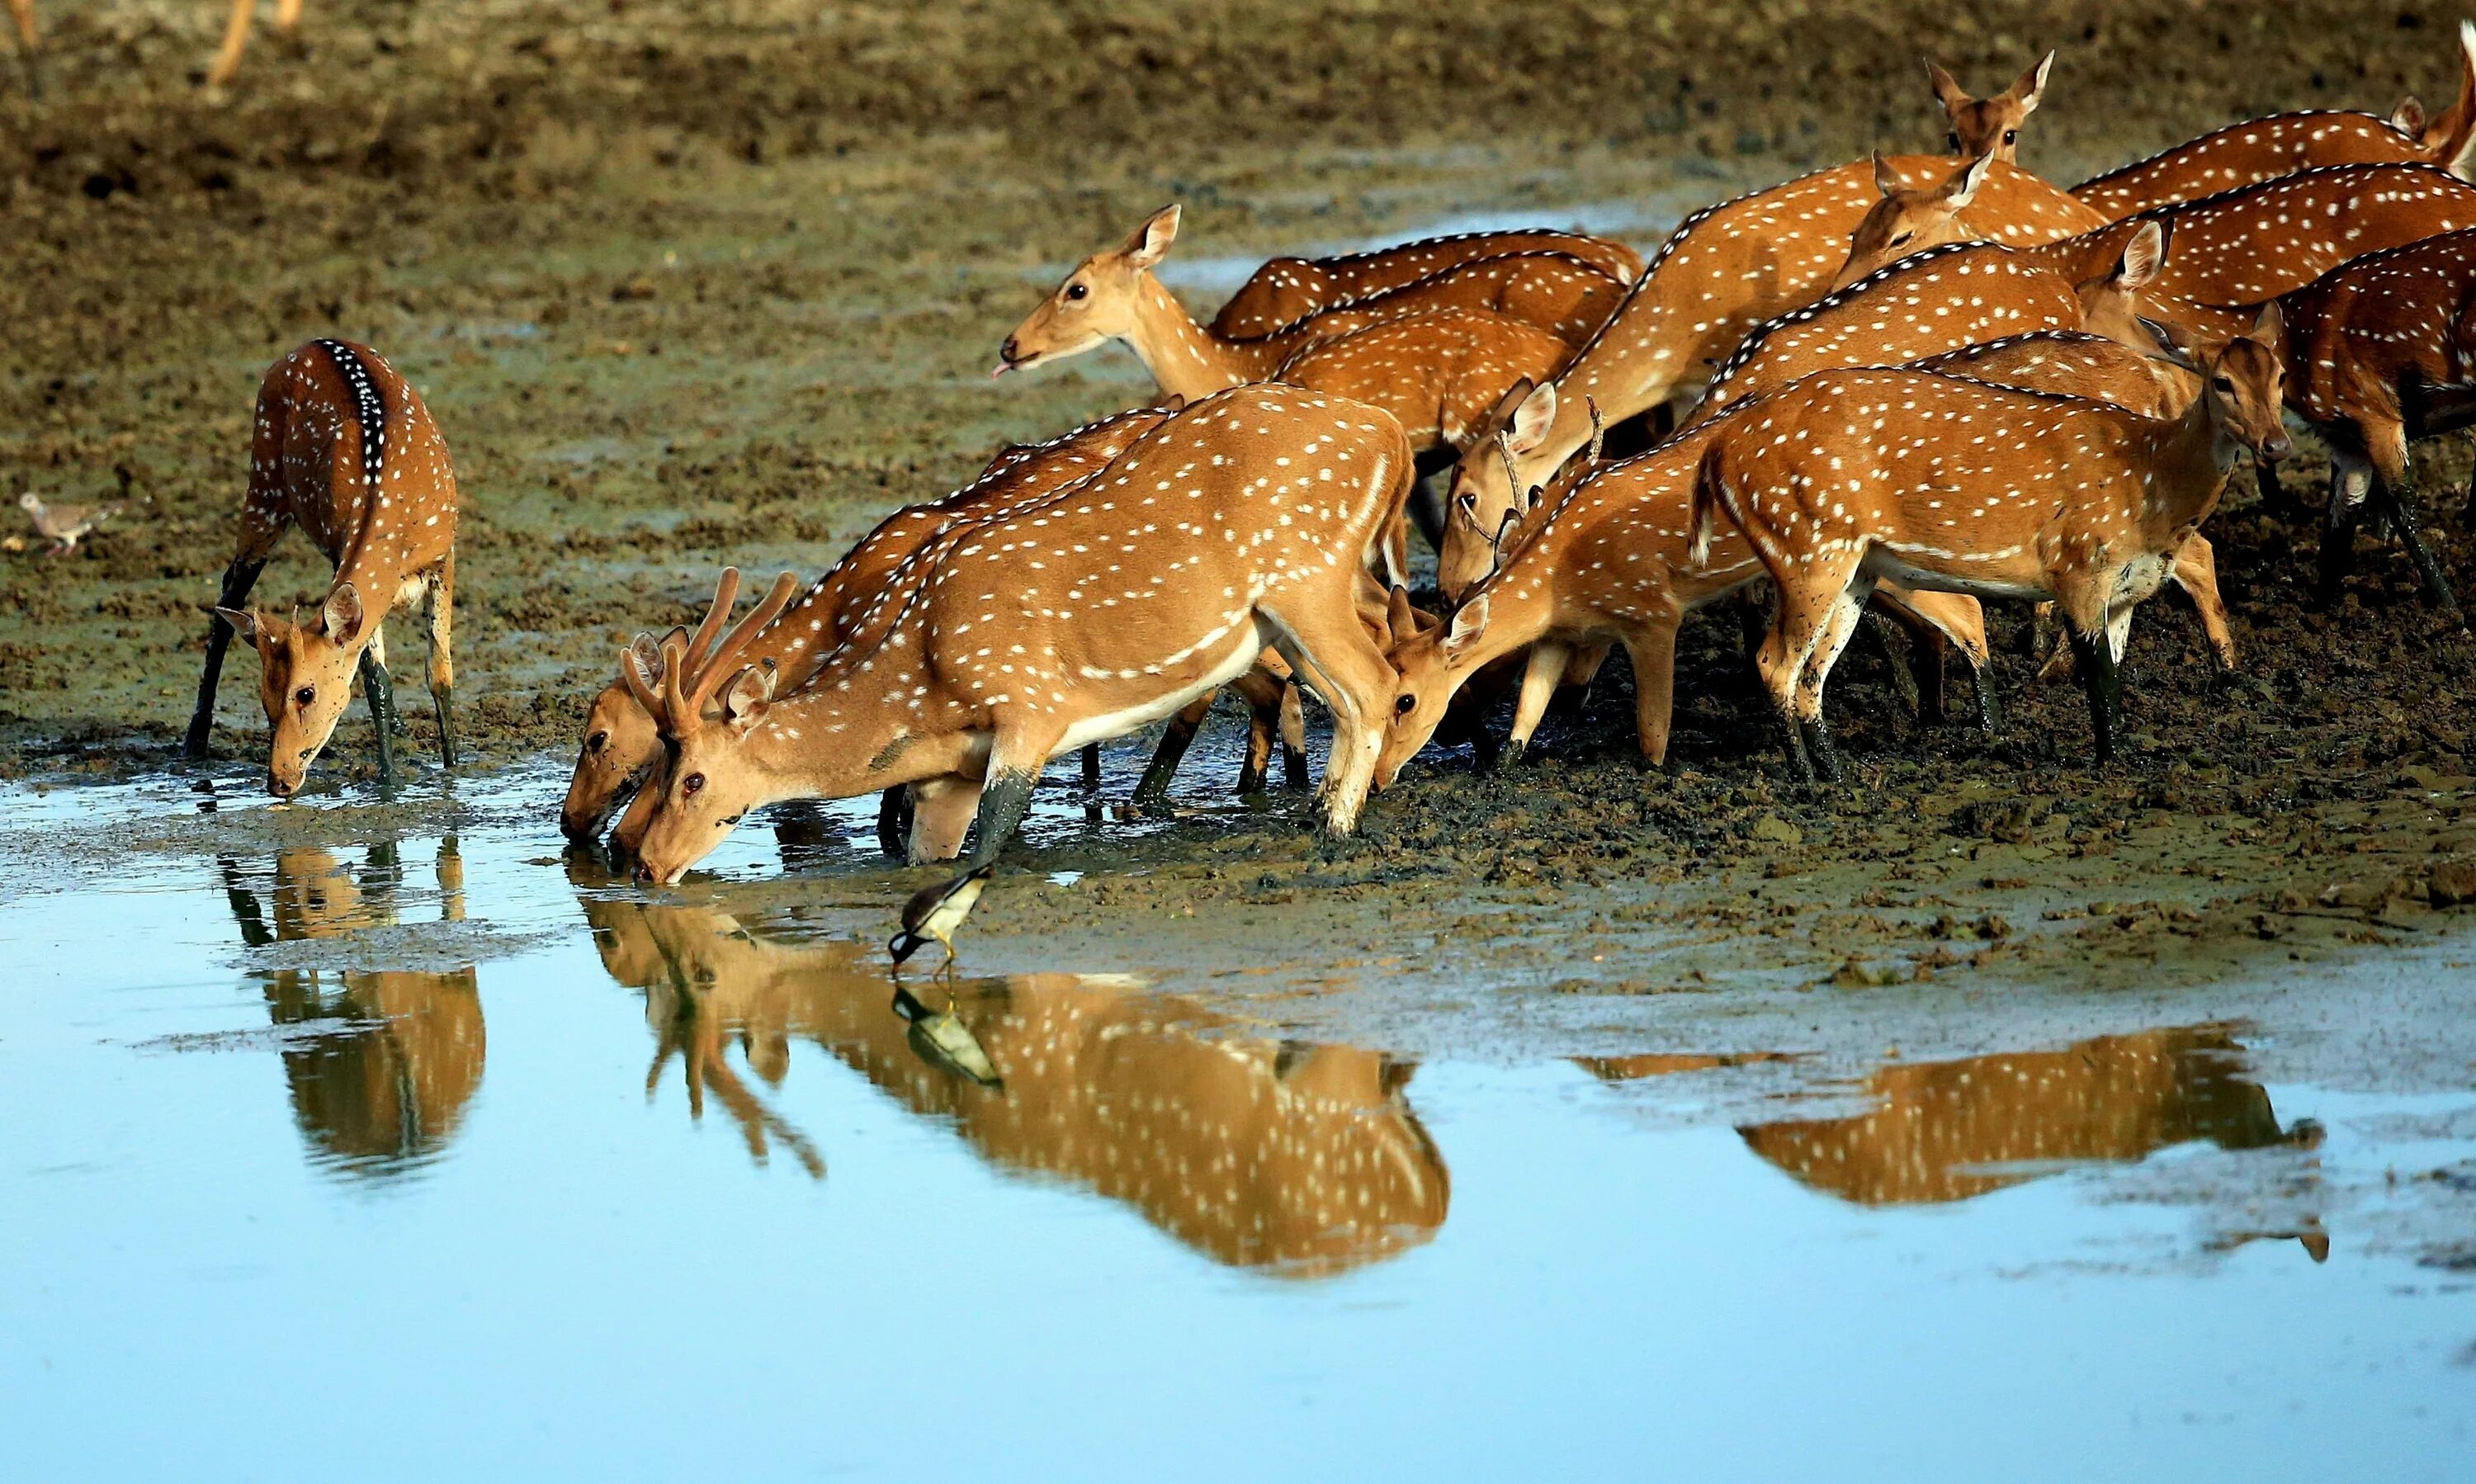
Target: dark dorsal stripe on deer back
(369, 410)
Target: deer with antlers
(621, 745)
(344, 449)
(2381, 351)
(1436, 366)
(1726, 271)
(1847, 477)
(1237, 525)
(1989, 128)
(1600, 558)
(2263, 149)
(1287, 291)
(227, 61)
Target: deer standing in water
(1726, 270)
(1602, 556)
(1989, 128)
(344, 449)
(2381, 351)
(1850, 477)
(1286, 291)
(1239, 524)
(287, 19)
(2264, 149)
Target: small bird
(64, 524)
(936, 912)
(942, 1041)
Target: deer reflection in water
(1303, 1160)
(387, 1060)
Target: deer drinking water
(344, 449)
(1850, 477)
(1237, 525)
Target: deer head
(708, 786)
(1425, 655)
(1099, 301)
(1990, 126)
(621, 746)
(1908, 220)
(1483, 491)
(2243, 386)
(306, 678)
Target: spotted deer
(1603, 558)
(2075, 363)
(227, 59)
(1435, 369)
(2381, 351)
(2263, 149)
(1728, 269)
(621, 745)
(1989, 128)
(1287, 291)
(1847, 477)
(344, 449)
(1910, 220)
(1235, 526)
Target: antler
(685, 695)
(1598, 433)
(725, 593)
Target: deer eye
(1076, 290)
(2222, 383)
(304, 695)
(2010, 135)
(691, 785)
(1902, 238)
(597, 742)
(1404, 704)
(1953, 139)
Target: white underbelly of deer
(1232, 656)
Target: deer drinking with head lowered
(1848, 477)
(2263, 149)
(1239, 524)
(344, 449)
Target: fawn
(343, 448)
(2264, 149)
(1850, 477)
(1989, 128)
(1238, 524)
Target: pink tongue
(1002, 368)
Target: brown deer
(1237, 525)
(1728, 269)
(1908, 220)
(2379, 354)
(1850, 477)
(2073, 363)
(1286, 291)
(1255, 1151)
(2264, 149)
(1437, 370)
(287, 19)
(1989, 128)
(344, 449)
(621, 745)
(1602, 558)
(1950, 1130)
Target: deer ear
(1152, 240)
(748, 697)
(1399, 617)
(2144, 257)
(2408, 118)
(1469, 621)
(244, 622)
(342, 615)
(1947, 90)
(2271, 327)
(1886, 180)
(1963, 187)
(1174, 403)
(1532, 419)
(2169, 348)
(2030, 85)
(646, 655)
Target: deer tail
(2455, 129)
(1710, 498)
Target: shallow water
(354, 1146)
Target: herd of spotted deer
(1929, 378)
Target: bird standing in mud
(64, 526)
(935, 912)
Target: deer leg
(1838, 629)
(2350, 482)
(288, 16)
(1539, 682)
(29, 45)
(2196, 572)
(2394, 486)
(236, 40)
(1264, 696)
(894, 816)
(1582, 665)
(441, 614)
(1905, 665)
(1334, 654)
(2277, 501)
(238, 579)
(1651, 647)
(1006, 792)
(1804, 614)
(2094, 659)
(381, 698)
(1151, 791)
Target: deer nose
(2276, 447)
(278, 787)
(1009, 352)
(643, 873)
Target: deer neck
(2187, 466)
(1185, 359)
(837, 741)
(1520, 606)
